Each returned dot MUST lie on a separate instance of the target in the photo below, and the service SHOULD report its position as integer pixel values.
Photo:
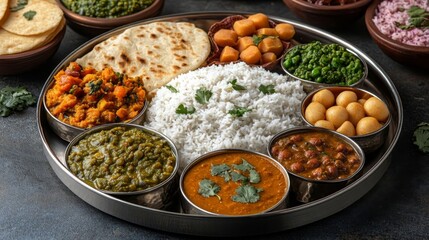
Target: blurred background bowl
(334, 16)
(306, 189)
(368, 142)
(22, 62)
(92, 26)
(160, 196)
(415, 56)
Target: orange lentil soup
(84, 97)
(246, 184)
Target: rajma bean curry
(316, 155)
(229, 174)
(84, 97)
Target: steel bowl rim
(96, 129)
(232, 150)
(343, 137)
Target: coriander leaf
(236, 86)
(258, 39)
(238, 177)
(267, 89)
(208, 188)
(238, 111)
(421, 137)
(244, 166)
(94, 86)
(30, 15)
(254, 176)
(221, 170)
(19, 5)
(203, 95)
(172, 89)
(14, 99)
(246, 194)
(181, 109)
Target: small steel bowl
(160, 196)
(368, 142)
(189, 207)
(66, 131)
(309, 85)
(305, 189)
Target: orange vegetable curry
(84, 97)
(235, 183)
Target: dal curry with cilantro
(235, 183)
(84, 97)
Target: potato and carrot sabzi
(256, 39)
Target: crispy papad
(156, 52)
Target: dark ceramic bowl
(91, 26)
(335, 16)
(416, 56)
(22, 62)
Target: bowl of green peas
(318, 65)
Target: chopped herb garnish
(246, 194)
(94, 86)
(419, 18)
(221, 170)
(238, 111)
(181, 109)
(19, 5)
(30, 15)
(267, 89)
(208, 189)
(203, 95)
(257, 39)
(244, 166)
(172, 89)
(14, 99)
(254, 176)
(236, 177)
(421, 137)
(236, 86)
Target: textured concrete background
(35, 204)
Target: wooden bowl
(92, 26)
(21, 62)
(335, 16)
(416, 56)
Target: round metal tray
(293, 216)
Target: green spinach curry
(106, 8)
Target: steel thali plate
(294, 216)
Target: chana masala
(235, 183)
(316, 156)
(84, 97)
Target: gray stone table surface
(35, 204)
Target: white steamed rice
(211, 127)
(389, 12)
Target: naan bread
(157, 52)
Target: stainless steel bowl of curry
(319, 161)
(233, 182)
(80, 98)
(129, 161)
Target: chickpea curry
(84, 97)
(316, 156)
(237, 183)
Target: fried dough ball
(367, 125)
(356, 112)
(314, 112)
(325, 97)
(324, 124)
(376, 108)
(337, 115)
(347, 128)
(346, 97)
